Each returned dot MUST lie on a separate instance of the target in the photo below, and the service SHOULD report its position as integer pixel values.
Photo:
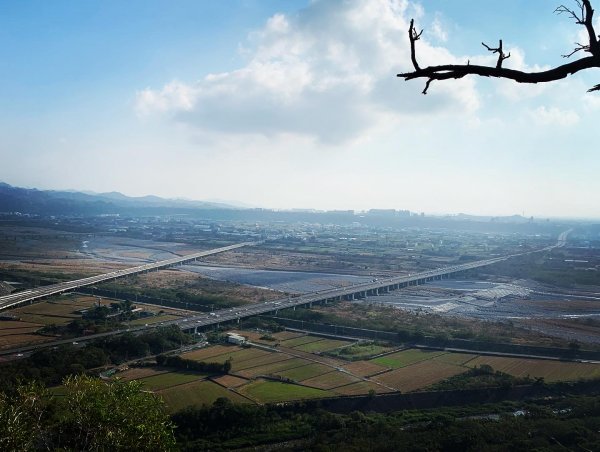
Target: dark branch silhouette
(583, 15)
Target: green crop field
(304, 372)
(549, 370)
(405, 358)
(322, 346)
(169, 379)
(274, 391)
(196, 394)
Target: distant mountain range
(51, 202)
(74, 203)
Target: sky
(296, 104)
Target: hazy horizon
(241, 205)
(296, 104)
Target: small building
(234, 338)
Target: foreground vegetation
(559, 424)
(89, 414)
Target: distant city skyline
(296, 105)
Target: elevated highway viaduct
(356, 291)
(201, 321)
(29, 296)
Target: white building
(234, 338)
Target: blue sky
(295, 104)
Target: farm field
(364, 368)
(15, 340)
(459, 359)
(322, 345)
(551, 371)
(330, 380)
(295, 342)
(285, 335)
(169, 379)
(197, 393)
(14, 333)
(229, 381)
(360, 388)
(261, 361)
(361, 351)
(315, 376)
(274, 368)
(135, 373)
(204, 353)
(11, 327)
(419, 375)
(245, 355)
(304, 372)
(238, 357)
(273, 391)
(406, 358)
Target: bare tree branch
(583, 16)
(499, 51)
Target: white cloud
(591, 101)
(328, 72)
(438, 30)
(554, 116)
